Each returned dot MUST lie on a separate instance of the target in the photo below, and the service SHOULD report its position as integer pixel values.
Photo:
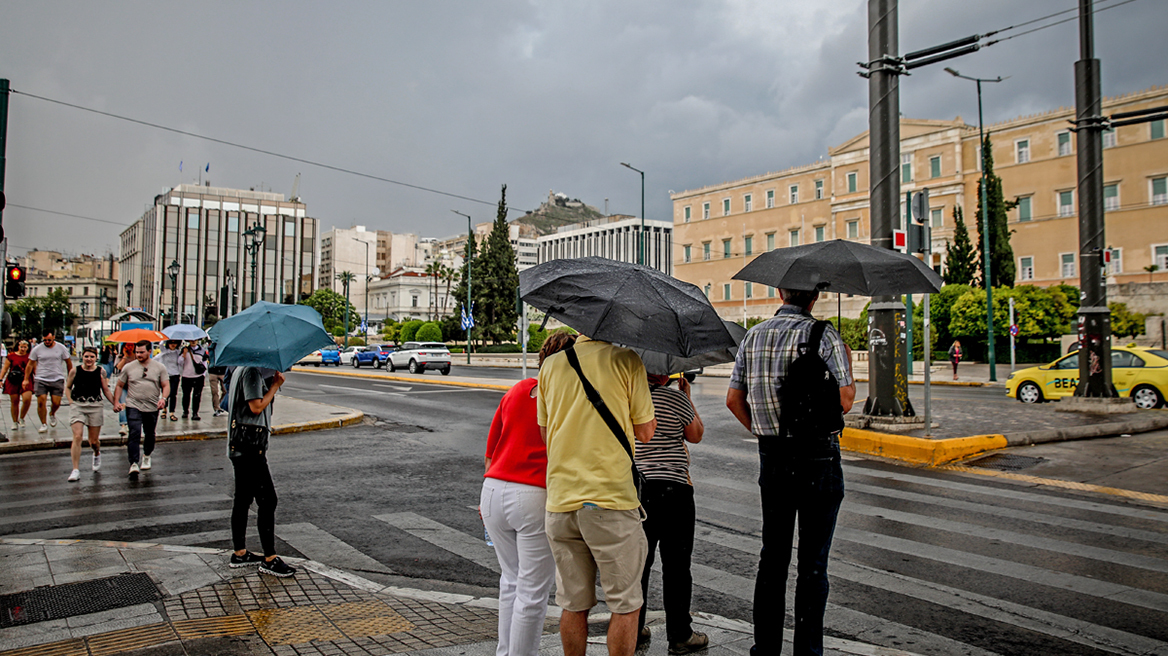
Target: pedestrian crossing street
(925, 561)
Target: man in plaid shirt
(800, 475)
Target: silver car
(420, 356)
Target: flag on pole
(180, 165)
(208, 169)
(468, 321)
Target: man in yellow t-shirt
(593, 517)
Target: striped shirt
(665, 457)
(766, 352)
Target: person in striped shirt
(668, 499)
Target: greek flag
(468, 321)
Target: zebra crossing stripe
(472, 548)
(124, 525)
(113, 507)
(1066, 485)
(101, 494)
(320, 545)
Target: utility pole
(469, 308)
(1094, 317)
(3, 164)
(888, 378)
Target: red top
(516, 450)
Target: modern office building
(194, 241)
(368, 255)
(722, 227)
(615, 237)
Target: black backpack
(809, 402)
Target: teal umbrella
(268, 335)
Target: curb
(359, 374)
(1111, 429)
(918, 450)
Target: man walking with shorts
(48, 363)
(593, 516)
(147, 386)
(84, 388)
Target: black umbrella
(628, 304)
(843, 267)
(666, 365)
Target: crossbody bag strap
(598, 403)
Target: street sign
(920, 206)
(899, 240)
(1014, 330)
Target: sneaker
(218, 413)
(697, 642)
(52, 420)
(75, 476)
(277, 567)
(123, 430)
(145, 462)
(43, 428)
(134, 470)
(184, 416)
(644, 637)
(246, 560)
(96, 461)
(195, 417)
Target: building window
(725, 248)
(819, 190)
(770, 242)
(687, 209)
(705, 210)
(820, 232)
(1109, 140)
(687, 253)
(1110, 197)
(1116, 264)
(193, 219)
(794, 194)
(770, 292)
(707, 290)
(747, 202)
(706, 250)
(1157, 129)
(413, 301)
(749, 290)
(1066, 203)
(726, 291)
(1064, 144)
(1024, 209)
(1159, 191)
(906, 167)
(935, 166)
(794, 238)
(749, 245)
(853, 229)
(852, 182)
(725, 207)
(937, 217)
(1026, 268)
(1022, 151)
(1067, 265)
(1160, 257)
(770, 198)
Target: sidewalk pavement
(92, 598)
(289, 415)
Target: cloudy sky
(462, 97)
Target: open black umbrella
(663, 364)
(628, 304)
(843, 267)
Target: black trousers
(172, 400)
(253, 482)
(192, 386)
(669, 526)
(142, 426)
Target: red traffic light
(14, 281)
(16, 273)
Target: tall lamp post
(985, 224)
(367, 277)
(469, 309)
(102, 299)
(172, 271)
(229, 285)
(129, 293)
(640, 237)
(255, 235)
(84, 311)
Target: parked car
(1141, 373)
(420, 356)
(348, 353)
(373, 356)
(325, 356)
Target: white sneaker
(134, 470)
(145, 462)
(43, 429)
(96, 461)
(52, 420)
(124, 430)
(75, 476)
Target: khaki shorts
(591, 539)
(85, 413)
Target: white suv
(348, 353)
(420, 356)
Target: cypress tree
(960, 259)
(500, 280)
(1002, 264)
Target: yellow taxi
(1141, 373)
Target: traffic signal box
(14, 281)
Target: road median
(918, 450)
(416, 378)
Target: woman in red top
(512, 505)
(12, 373)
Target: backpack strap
(815, 337)
(598, 403)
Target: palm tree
(450, 275)
(346, 277)
(434, 270)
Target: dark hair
(143, 343)
(800, 297)
(89, 349)
(50, 333)
(555, 343)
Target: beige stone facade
(720, 228)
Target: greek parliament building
(203, 230)
(719, 228)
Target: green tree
(960, 259)
(409, 330)
(940, 309)
(434, 271)
(1124, 322)
(1001, 253)
(429, 332)
(331, 307)
(449, 275)
(32, 316)
(1040, 312)
(390, 331)
(498, 283)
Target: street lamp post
(640, 237)
(101, 301)
(84, 311)
(469, 309)
(255, 235)
(367, 277)
(172, 271)
(129, 293)
(985, 225)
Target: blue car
(374, 356)
(330, 356)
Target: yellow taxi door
(1062, 377)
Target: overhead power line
(262, 151)
(74, 216)
(1043, 27)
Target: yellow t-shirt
(586, 463)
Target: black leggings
(253, 481)
(190, 385)
(172, 398)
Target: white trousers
(513, 514)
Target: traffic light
(14, 281)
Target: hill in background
(558, 210)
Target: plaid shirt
(766, 352)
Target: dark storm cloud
(464, 97)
